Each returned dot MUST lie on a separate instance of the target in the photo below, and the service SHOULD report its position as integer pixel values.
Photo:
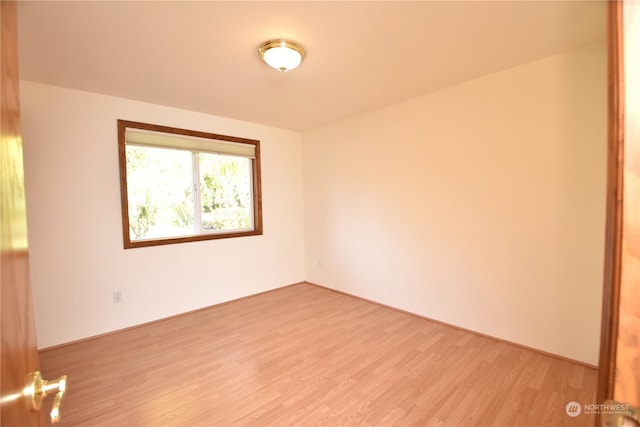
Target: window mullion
(197, 199)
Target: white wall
(75, 230)
(481, 205)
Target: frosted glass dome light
(281, 54)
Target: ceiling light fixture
(281, 54)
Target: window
(180, 186)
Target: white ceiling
(361, 55)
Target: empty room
(403, 224)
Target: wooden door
(19, 356)
(619, 375)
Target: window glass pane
(225, 186)
(160, 192)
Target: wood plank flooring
(307, 356)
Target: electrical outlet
(117, 297)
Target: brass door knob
(38, 388)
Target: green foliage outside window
(226, 192)
(161, 192)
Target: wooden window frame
(123, 125)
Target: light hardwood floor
(304, 355)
